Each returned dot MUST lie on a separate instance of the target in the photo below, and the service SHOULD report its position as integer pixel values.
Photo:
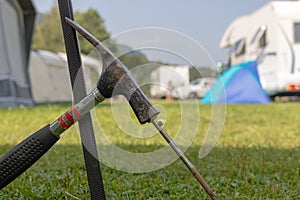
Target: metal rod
(75, 113)
(185, 160)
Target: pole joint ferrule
(77, 112)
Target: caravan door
(263, 49)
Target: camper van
(270, 36)
(165, 78)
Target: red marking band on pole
(69, 118)
(62, 123)
(76, 113)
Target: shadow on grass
(233, 173)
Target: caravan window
(239, 47)
(263, 40)
(297, 32)
(255, 36)
(260, 36)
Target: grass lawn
(256, 157)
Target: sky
(181, 31)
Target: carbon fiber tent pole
(85, 125)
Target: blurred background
(200, 41)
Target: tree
(48, 34)
(93, 22)
(131, 58)
(202, 72)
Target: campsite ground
(257, 157)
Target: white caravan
(165, 78)
(271, 36)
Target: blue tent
(238, 84)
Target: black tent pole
(77, 81)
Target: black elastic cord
(85, 125)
